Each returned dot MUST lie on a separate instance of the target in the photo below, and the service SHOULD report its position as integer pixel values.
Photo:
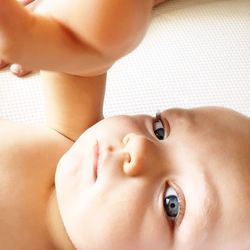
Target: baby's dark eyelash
(158, 127)
(158, 116)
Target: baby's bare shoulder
(28, 142)
(28, 151)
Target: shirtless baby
(123, 185)
(179, 180)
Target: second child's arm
(83, 37)
(73, 103)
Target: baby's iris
(171, 203)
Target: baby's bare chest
(27, 168)
(24, 193)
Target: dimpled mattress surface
(195, 53)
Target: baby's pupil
(172, 205)
(159, 133)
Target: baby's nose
(141, 151)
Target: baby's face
(122, 186)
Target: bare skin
(19, 70)
(29, 156)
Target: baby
(179, 180)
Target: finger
(17, 70)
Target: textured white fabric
(196, 52)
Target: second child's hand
(17, 69)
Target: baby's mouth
(100, 151)
(96, 159)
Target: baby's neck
(56, 227)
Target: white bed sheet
(195, 53)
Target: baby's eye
(171, 203)
(159, 130)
